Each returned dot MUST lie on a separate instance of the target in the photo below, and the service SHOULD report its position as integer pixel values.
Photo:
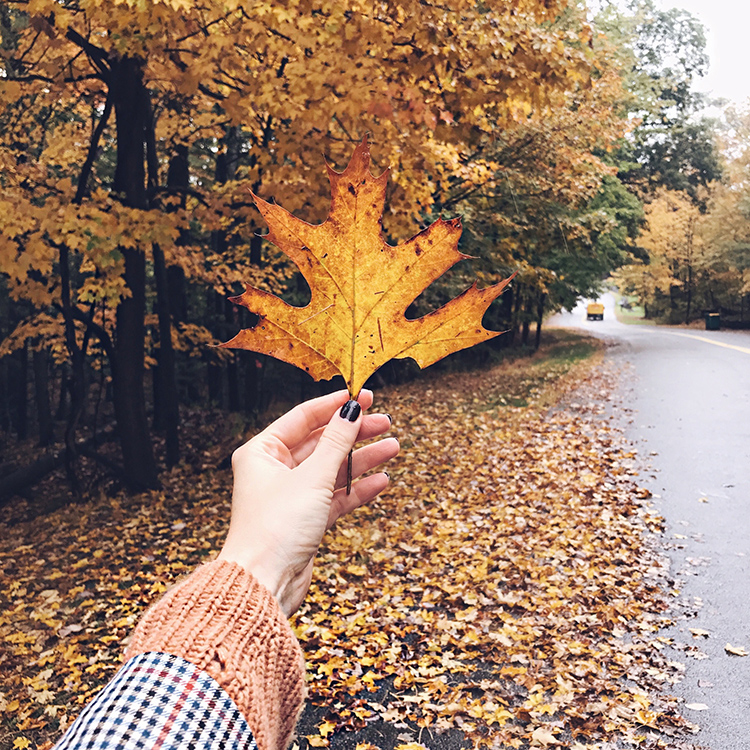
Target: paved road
(691, 397)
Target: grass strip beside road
(634, 315)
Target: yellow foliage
(437, 85)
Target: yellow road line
(744, 349)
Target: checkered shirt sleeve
(159, 701)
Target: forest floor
(506, 591)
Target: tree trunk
(62, 402)
(541, 300)
(4, 395)
(127, 379)
(252, 385)
(76, 380)
(516, 313)
(233, 374)
(226, 168)
(214, 378)
(506, 316)
(233, 385)
(157, 416)
(5, 328)
(166, 375)
(215, 372)
(166, 395)
(527, 313)
(177, 294)
(41, 397)
(252, 364)
(256, 245)
(20, 413)
(172, 307)
(689, 263)
(132, 114)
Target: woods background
(132, 135)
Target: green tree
(662, 53)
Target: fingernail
(390, 418)
(387, 474)
(350, 410)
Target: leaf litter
(505, 592)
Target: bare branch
(96, 54)
(83, 178)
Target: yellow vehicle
(595, 311)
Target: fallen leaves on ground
(503, 589)
(74, 582)
(503, 586)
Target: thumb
(337, 440)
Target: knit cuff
(227, 624)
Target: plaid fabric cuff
(159, 701)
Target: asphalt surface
(690, 395)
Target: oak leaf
(361, 287)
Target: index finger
(297, 424)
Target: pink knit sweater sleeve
(227, 624)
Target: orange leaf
(361, 287)
(325, 728)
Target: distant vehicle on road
(595, 311)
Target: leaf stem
(349, 457)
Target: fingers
(335, 442)
(367, 458)
(362, 492)
(297, 424)
(372, 426)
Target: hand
(290, 487)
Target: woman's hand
(290, 486)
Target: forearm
(223, 621)
(215, 657)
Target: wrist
(260, 565)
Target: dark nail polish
(390, 418)
(350, 410)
